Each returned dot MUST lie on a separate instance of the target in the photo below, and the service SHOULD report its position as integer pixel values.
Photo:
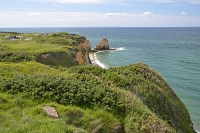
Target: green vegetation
(19, 115)
(46, 49)
(89, 99)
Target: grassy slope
(36, 44)
(19, 115)
(131, 98)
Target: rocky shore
(103, 45)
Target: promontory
(47, 84)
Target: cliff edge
(82, 55)
(77, 55)
(52, 68)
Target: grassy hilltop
(50, 70)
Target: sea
(174, 52)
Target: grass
(23, 115)
(111, 108)
(90, 99)
(9, 69)
(33, 48)
(57, 46)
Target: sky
(99, 13)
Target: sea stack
(102, 45)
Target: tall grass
(23, 115)
(8, 70)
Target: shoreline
(91, 57)
(95, 61)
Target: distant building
(10, 38)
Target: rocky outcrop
(82, 55)
(102, 45)
(83, 42)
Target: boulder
(102, 45)
(50, 111)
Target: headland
(54, 70)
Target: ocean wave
(120, 48)
(98, 62)
(95, 61)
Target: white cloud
(158, 1)
(171, 1)
(113, 1)
(70, 1)
(79, 19)
(117, 1)
(2, 15)
(54, 5)
(183, 13)
(82, 1)
(35, 13)
(194, 1)
(147, 14)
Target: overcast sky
(99, 13)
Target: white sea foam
(98, 62)
(120, 48)
(91, 56)
(95, 61)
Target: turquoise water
(173, 52)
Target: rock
(50, 111)
(102, 45)
(85, 45)
(82, 55)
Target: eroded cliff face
(72, 57)
(82, 55)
